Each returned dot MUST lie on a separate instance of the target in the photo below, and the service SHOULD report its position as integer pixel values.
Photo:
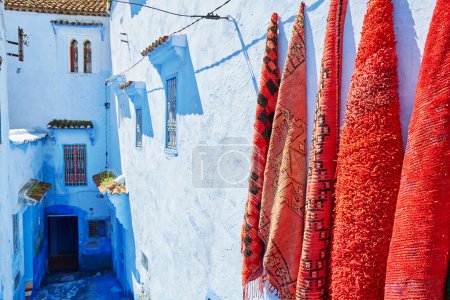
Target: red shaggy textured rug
(369, 163)
(312, 277)
(252, 246)
(283, 198)
(419, 253)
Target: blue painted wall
(123, 241)
(90, 258)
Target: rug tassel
(273, 290)
(253, 289)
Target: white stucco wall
(41, 88)
(6, 228)
(190, 235)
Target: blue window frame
(171, 115)
(138, 127)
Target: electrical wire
(207, 16)
(123, 73)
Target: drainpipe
(107, 106)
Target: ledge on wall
(71, 125)
(108, 183)
(79, 24)
(34, 191)
(23, 136)
(171, 58)
(137, 92)
(167, 49)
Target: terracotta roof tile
(38, 191)
(76, 23)
(66, 7)
(155, 45)
(105, 182)
(125, 85)
(70, 124)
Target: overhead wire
(209, 15)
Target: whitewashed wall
(6, 228)
(41, 88)
(190, 235)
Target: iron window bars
(138, 127)
(75, 164)
(171, 128)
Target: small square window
(138, 127)
(97, 229)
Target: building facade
(59, 57)
(5, 231)
(186, 114)
(126, 134)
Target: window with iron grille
(87, 53)
(75, 164)
(15, 220)
(138, 127)
(171, 113)
(97, 228)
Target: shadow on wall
(283, 45)
(135, 9)
(147, 127)
(124, 245)
(173, 60)
(131, 257)
(137, 92)
(189, 102)
(124, 252)
(211, 295)
(408, 62)
(124, 105)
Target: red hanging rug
(252, 246)
(369, 164)
(419, 252)
(283, 198)
(313, 273)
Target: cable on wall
(209, 16)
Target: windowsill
(171, 152)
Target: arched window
(74, 56)
(87, 57)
